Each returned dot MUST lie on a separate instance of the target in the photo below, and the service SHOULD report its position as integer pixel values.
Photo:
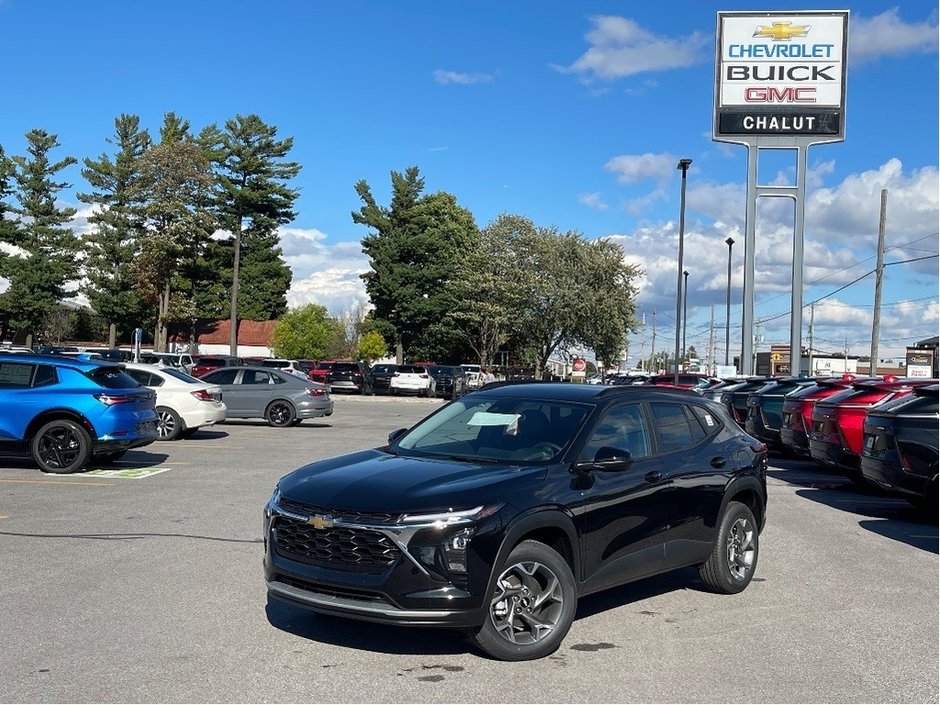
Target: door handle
(654, 476)
(718, 462)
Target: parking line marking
(74, 483)
(4, 516)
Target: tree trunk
(112, 335)
(233, 312)
(399, 352)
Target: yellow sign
(775, 356)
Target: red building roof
(249, 333)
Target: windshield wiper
(471, 459)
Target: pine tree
(111, 247)
(253, 199)
(49, 261)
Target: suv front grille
(350, 516)
(337, 545)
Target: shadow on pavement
(890, 517)
(260, 423)
(683, 579)
(365, 636)
(205, 434)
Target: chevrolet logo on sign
(782, 31)
(319, 521)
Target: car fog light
(455, 550)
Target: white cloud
(325, 274)
(464, 79)
(635, 168)
(887, 35)
(620, 48)
(592, 200)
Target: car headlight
(447, 554)
(450, 518)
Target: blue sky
(573, 114)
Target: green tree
(175, 184)
(306, 333)
(487, 293)
(252, 200)
(371, 347)
(7, 227)
(608, 308)
(413, 254)
(111, 247)
(37, 279)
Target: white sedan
(184, 403)
(411, 379)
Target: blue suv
(64, 411)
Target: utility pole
(711, 343)
(845, 351)
(879, 277)
(812, 316)
(653, 358)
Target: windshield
(507, 430)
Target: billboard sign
(781, 75)
(920, 362)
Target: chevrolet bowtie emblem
(782, 31)
(319, 521)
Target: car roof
(82, 365)
(585, 393)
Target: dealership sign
(781, 75)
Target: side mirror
(607, 459)
(396, 434)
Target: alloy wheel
(527, 603)
(741, 549)
(166, 424)
(280, 414)
(59, 447)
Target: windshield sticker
(488, 418)
(708, 420)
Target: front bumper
(405, 591)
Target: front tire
(279, 414)
(60, 446)
(731, 565)
(169, 424)
(532, 607)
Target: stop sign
(578, 365)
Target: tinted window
(622, 427)
(46, 375)
(142, 378)
(221, 377)
(345, 367)
(112, 378)
(384, 369)
(275, 363)
(707, 419)
(673, 427)
(182, 376)
(15, 375)
(411, 370)
(255, 377)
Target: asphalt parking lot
(135, 587)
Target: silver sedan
(282, 399)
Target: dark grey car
(282, 399)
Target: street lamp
(685, 311)
(729, 242)
(682, 166)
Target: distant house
(254, 338)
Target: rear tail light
(905, 462)
(316, 392)
(423, 376)
(396, 375)
(112, 399)
(203, 395)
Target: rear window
(345, 367)
(384, 369)
(911, 405)
(411, 370)
(211, 362)
(275, 363)
(182, 376)
(112, 378)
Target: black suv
(498, 511)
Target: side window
(45, 376)
(674, 427)
(255, 377)
(15, 375)
(622, 427)
(277, 379)
(709, 421)
(142, 378)
(222, 377)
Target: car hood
(377, 481)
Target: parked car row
(66, 411)
(877, 431)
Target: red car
(319, 371)
(835, 439)
(204, 364)
(798, 410)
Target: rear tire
(60, 446)
(733, 559)
(532, 607)
(279, 413)
(169, 424)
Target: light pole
(685, 310)
(682, 166)
(729, 242)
